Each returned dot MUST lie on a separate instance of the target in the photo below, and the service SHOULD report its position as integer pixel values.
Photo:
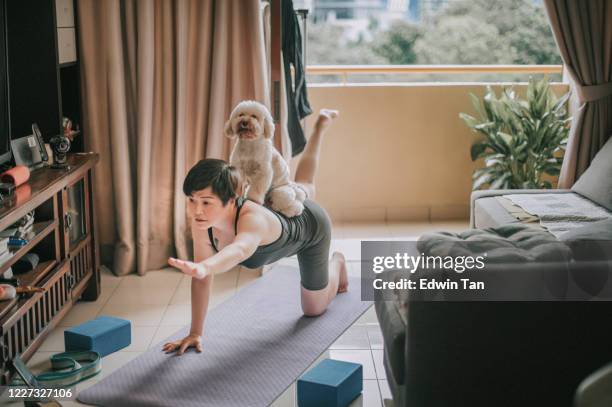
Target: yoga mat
(255, 345)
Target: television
(5, 127)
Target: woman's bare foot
(325, 118)
(342, 272)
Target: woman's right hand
(190, 341)
(197, 270)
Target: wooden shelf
(39, 231)
(30, 278)
(44, 182)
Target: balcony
(399, 151)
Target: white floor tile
(132, 293)
(141, 338)
(451, 226)
(107, 279)
(227, 280)
(287, 398)
(368, 317)
(322, 356)
(409, 230)
(182, 294)
(363, 357)
(353, 268)
(105, 294)
(375, 337)
(54, 342)
(40, 361)
(81, 312)
(337, 229)
(177, 314)
(385, 391)
(351, 248)
(138, 314)
(163, 332)
(378, 355)
(167, 277)
(370, 396)
(355, 337)
(371, 231)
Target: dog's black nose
(244, 124)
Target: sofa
(474, 353)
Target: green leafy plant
(522, 140)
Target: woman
(228, 231)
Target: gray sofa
(500, 353)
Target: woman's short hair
(224, 179)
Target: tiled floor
(158, 305)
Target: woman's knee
(312, 310)
(314, 303)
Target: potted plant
(521, 140)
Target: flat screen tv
(5, 149)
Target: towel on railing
(298, 106)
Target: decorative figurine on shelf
(67, 129)
(60, 145)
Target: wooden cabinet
(64, 238)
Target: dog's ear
(227, 129)
(268, 126)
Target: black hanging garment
(297, 99)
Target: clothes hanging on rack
(298, 106)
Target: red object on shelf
(18, 175)
(22, 194)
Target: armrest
(498, 192)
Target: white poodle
(261, 164)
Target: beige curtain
(159, 79)
(583, 31)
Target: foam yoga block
(103, 335)
(332, 383)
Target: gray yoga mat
(255, 345)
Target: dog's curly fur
(259, 162)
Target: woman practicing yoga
(228, 230)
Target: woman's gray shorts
(307, 235)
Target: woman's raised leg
(309, 161)
(315, 302)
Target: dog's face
(250, 120)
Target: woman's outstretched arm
(244, 245)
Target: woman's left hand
(197, 270)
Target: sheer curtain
(159, 78)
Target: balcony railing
(344, 70)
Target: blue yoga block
(332, 383)
(103, 335)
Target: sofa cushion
(510, 243)
(592, 242)
(596, 182)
